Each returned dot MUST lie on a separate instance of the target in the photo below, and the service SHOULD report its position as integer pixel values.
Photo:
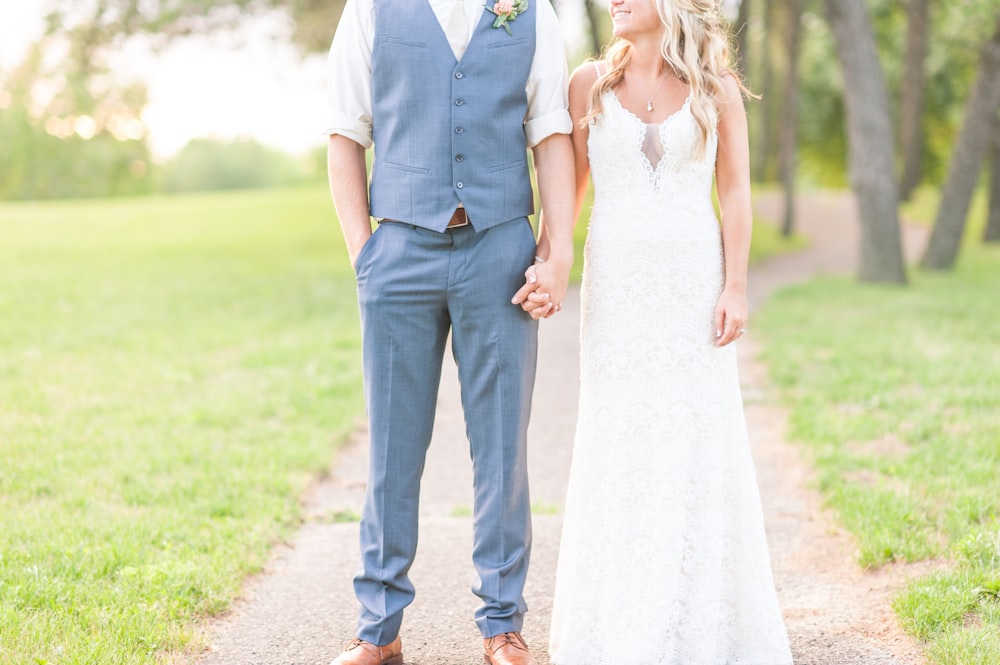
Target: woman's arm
(732, 178)
(580, 84)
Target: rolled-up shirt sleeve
(548, 80)
(349, 66)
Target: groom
(451, 100)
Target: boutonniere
(506, 11)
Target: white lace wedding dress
(663, 558)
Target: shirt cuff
(358, 131)
(538, 129)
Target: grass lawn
(896, 393)
(173, 371)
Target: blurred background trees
(69, 126)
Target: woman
(663, 557)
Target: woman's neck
(646, 59)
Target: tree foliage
(212, 165)
(69, 74)
(71, 126)
(955, 35)
(970, 150)
(34, 164)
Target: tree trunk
(870, 141)
(966, 160)
(741, 28)
(595, 26)
(992, 231)
(790, 115)
(912, 104)
(762, 149)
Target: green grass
(173, 371)
(896, 393)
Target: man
(451, 102)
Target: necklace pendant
(649, 105)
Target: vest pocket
(407, 167)
(505, 166)
(405, 42)
(507, 42)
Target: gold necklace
(649, 102)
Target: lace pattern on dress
(663, 559)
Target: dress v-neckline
(647, 128)
(683, 107)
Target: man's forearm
(546, 284)
(349, 188)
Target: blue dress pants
(414, 286)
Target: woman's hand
(730, 316)
(545, 286)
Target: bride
(663, 558)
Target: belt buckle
(461, 212)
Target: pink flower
(502, 7)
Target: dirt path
(301, 609)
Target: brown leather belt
(460, 218)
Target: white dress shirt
(349, 66)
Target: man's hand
(546, 282)
(545, 286)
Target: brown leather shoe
(359, 652)
(507, 649)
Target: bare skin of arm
(580, 83)
(579, 87)
(732, 177)
(349, 188)
(546, 283)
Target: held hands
(545, 285)
(730, 316)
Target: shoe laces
(503, 639)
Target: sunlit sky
(252, 84)
(224, 86)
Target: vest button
(459, 102)
(459, 184)
(458, 75)
(459, 158)
(459, 130)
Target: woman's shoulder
(732, 89)
(586, 74)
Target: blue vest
(448, 131)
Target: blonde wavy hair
(695, 48)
